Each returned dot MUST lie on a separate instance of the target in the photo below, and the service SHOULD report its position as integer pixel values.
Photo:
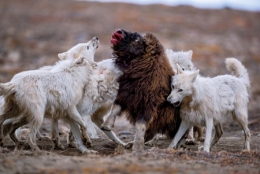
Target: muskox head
(127, 45)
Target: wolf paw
(105, 128)
(129, 145)
(60, 146)
(190, 142)
(44, 138)
(73, 144)
(87, 151)
(201, 139)
(200, 148)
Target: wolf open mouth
(116, 37)
(176, 104)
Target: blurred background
(33, 32)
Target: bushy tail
(237, 69)
(6, 88)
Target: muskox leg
(109, 122)
(140, 127)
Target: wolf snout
(95, 42)
(169, 98)
(95, 38)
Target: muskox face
(127, 45)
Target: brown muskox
(143, 87)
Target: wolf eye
(137, 40)
(180, 90)
(182, 69)
(87, 47)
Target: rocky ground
(33, 32)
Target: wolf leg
(190, 139)
(241, 116)
(218, 134)
(181, 131)
(109, 122)
(76, 118)
(209, 127)
(55, 135)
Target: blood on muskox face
(127, 45)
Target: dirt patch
(33, 32)
(226, 157)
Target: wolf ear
(179, 69)
(194, 75)
(79, 61)
(63, 56)
(190, 52)
(76, 55)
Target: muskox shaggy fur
(143, 87)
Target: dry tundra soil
(33, 32)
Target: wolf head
(183, 58)
(86, 50)
(182, 85)
(107, 71)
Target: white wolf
(206, 101)
(55, 94)
(98, 105)
(86, 50)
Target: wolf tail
(238, 69)
(6, 88)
